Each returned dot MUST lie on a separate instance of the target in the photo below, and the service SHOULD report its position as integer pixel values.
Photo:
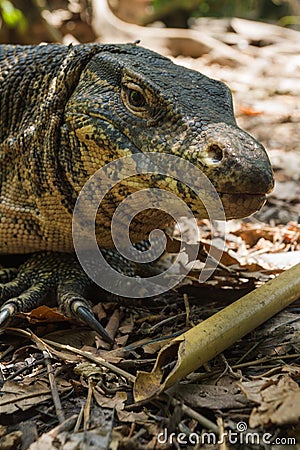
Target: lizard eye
(134, 99)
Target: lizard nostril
(215, 153)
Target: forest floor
(251, 390)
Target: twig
(95, 359)
(195, 415)
(79, 419)
(54, 391)
(223, 445)
(87, 406)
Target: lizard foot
(43, 273)
(7, 274)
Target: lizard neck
(38, 84)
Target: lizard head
(130, 100)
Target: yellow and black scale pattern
(68, 111)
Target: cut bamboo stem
(189, 351)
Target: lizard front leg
(43, 273)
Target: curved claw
(6, 313)
(80, 310)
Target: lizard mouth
(237, 206)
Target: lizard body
(68, 111)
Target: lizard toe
(43, 274)
(32, 298)
(86, 316)
(8, 274)
(72, 303)
(6, 313)
(78, 307)
(14, 288)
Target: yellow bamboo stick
(203, 342)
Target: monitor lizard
(67, 111)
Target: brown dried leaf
(22, 396)
(64, 437)
(44, 313)
(79, 337)
(11, 441)
(209, 396)
(116, 402)
(278, 398)
(248, 111)
(131, 416)
(253, 388)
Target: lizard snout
(234, 161)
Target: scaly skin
(66, 112)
